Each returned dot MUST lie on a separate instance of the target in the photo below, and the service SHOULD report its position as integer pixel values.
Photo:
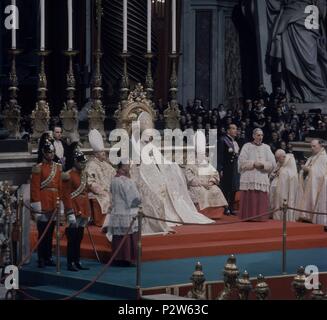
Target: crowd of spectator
(279, 119)
(273, 113)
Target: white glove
(71, 220)
(36, 211)
(61, 208)
(36, 207)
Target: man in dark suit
(227, 159)
(60, 145)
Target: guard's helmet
(79, 156)
(48, 147)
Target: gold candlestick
(96, 113)
(70, 78)
(172, 113)
(69, 114)
(173, 78)
(149, 80)
(41, 114)
(12, 115)
(124, 86)
(42, 84)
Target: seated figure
(203, 183)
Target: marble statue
(297, 55)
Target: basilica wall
(210, 68)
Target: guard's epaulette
(65, 176)
(37, 168)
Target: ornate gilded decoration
(96, 113)
(132, 108)
(198, 290)
(172, 116)
(298, 284)
(124, 85)
(12, 115)
(231, 274)
(41, 114)
(7, 218)
(244, 286)
(173, 78)
(262, 289)
(172, 113)
(69, 114)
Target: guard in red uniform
(45, 190)
(77, 209)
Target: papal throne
(137, 107)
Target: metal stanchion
(139, 254)
(58, 236)
(285, 207)
(20, 227)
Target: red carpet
(197, 241)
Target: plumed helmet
(79, 156)
(48, 147)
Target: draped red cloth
(213, 213)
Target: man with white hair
(312, 192)
(256, 162)
(99, 174)
(284, 185)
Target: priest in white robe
(204, 190)
(284, 185)
(256, 162)
(203, 182)
(312, 192)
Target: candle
(149, 49)
(15, 23)
(173, 47)
(42, 33)
(125, 26)
(70, 25)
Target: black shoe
(121, 264)
(71, 267)
(41, 264)
(80, 267)
(50, 263)
(227, 212)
